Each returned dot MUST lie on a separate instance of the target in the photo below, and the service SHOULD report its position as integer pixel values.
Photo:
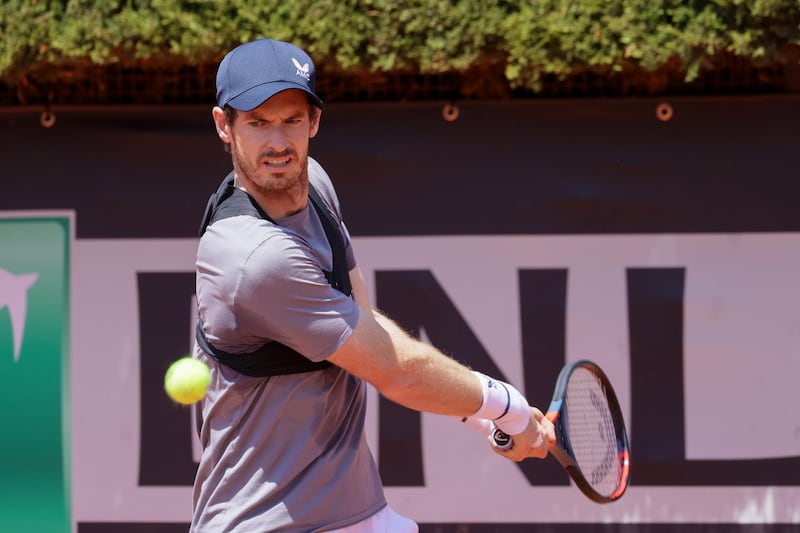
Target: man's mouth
(277, 162)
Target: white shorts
(384, 521)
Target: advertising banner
(696, 331)
(35, 446)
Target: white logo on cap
(302, 70)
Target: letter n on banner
(418, 303)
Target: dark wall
(518, 167)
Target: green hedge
(527, 40)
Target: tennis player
(286, 326)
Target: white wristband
(504, 405)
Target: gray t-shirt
(284, 453)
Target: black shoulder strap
(273, 358)
(339, 277)
(225, 189)
(228, 202)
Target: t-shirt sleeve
(283, 295)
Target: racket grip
(499, 439)
(505, 442)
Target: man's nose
(277, 140)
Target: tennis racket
(591, 441)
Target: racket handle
(504, 442)
(499, 439)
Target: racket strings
(592, 432)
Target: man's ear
(223, 128)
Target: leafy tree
(522, 43)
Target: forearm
(426, 379)
(433, 382)
(403, 369)
(417, 375)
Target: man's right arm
(416, 375)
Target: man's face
(269, 144)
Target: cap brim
(252, 98)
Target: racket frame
(562, 449)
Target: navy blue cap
(253, 72)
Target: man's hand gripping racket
(590, 438)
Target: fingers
(548, 431)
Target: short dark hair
(230, 114)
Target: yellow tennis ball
(186, 380)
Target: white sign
(741, 357)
